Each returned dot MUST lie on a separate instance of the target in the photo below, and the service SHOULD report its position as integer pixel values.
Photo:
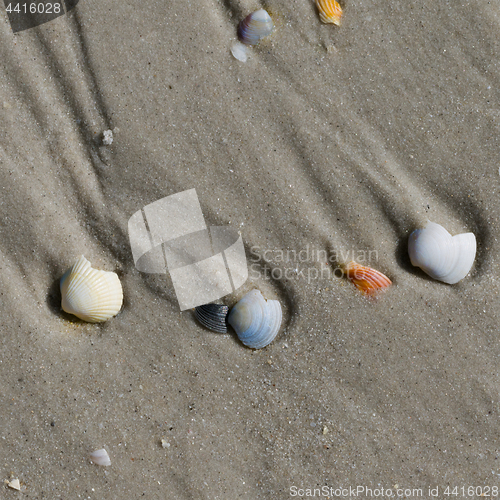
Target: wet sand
(329, 140)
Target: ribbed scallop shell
(254, 27)
(89, 294)
(442, 256)
(255, 320)
(212, 316)
(330, 11)
(366, 279)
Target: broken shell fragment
(442, 256)
(330, 11)
(366, 279)
(89, 294)
(254, 27)
(212, 316)
(240, 51)
(100, 457)
(14, 484)
(255, 320)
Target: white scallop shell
(254, 27)
(255, 320)
(100, 457)
(89, 294)
(442, 256)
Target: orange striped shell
(366, 279)
(330, 11)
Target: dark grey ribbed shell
(212, 316)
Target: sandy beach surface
(329, 143)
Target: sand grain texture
(332, 139)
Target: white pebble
(107, 138)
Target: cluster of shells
(259, 24)
(255, 320)
(251, 31)
(96, 296)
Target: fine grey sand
(337, 140)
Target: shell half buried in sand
(442, 256)
(254, 27)
(240, 51)
(256, 320)
(212, 316)
(90, 294)
(100, 457)
(330, 11)
(366, 279)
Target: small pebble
(107, 138)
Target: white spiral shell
(442, 256)
(254, 27)
(255, 320)
(89, 294)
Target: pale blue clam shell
(254, 27)
(255, 320)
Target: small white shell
(240, 51)
(14, 484)
(254, 27)
(255, 320)
(89, 294)
(100, 457)
(442, 256)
